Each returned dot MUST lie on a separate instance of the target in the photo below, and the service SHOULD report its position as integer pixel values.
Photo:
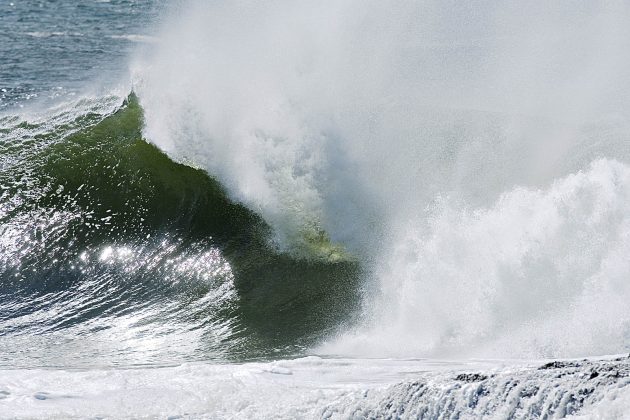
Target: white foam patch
(135, 38)
(313, 387)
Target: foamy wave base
(540, 273)
(313, 387)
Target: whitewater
(340, 209)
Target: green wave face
(111, 253)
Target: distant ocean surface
(53, 49)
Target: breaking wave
(111, 253)
(473, 159)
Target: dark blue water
(51, 49)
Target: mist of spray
(472, 155)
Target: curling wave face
(111, 254)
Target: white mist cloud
(356, 116)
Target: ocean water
(241, 209)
